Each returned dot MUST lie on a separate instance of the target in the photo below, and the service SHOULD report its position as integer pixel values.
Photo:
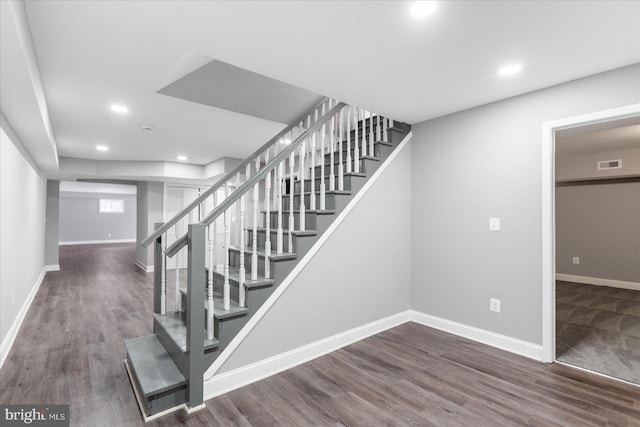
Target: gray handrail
(251, 182)
(177, 217)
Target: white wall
(360, 275)
(486, 162)
(22, 234)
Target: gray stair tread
(234, 274)
(218, 306)
(316, 211)
(176, 328)
(295, 233)
(336, 160)
(248, 251)
(317, 192)
(152, 366)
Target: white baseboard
(503, 342)
(8, 340)
(97, 242)
(598, 282)
(52, 267)
(240, 377)
(145, 268)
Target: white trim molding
(548, 213)
(52, 267)
(245, 375)
(503, 342)
(97, 242)
(9, 339)
(235, 342)
(634, 286)
(143, 267)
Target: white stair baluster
(385, 136)
(364, 133)
(242, 243)
(312, 197)
(254, 240)
(279, 189)
(301, 174)
(356, 150)
(348, 120)
(177, 277)
(371, 137)
(378, 129)
(340, 165)
(291, 185)
(210, 286)
(323, 188)
(226, 298)
(267, 221)
(332, 136)
(163, 279)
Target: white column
(267, 221)
(323, 188)
(210, 287)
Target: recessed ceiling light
(102, 148)
(421, 9)
(286, 141)
(145, 127)
(117, 108)
(182, 158)
(510, 70)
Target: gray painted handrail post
(157, 271)
(195, 313)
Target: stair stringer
(219, 367)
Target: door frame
(548, 214)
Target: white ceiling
(368, 53)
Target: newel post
(157, 271)
(195, 313)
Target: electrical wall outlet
(494, 305)
(576, 260)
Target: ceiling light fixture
(422, 9)
(510, 70)
(102, 148)
(182, 158)
(146, 127)
(121, 109)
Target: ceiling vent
(609, 164)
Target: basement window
(111, 206)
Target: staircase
(244, 237)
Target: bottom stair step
(159, 383)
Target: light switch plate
(494, 224)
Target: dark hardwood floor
(70, 350)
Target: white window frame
(111, 206)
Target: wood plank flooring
(69, 350)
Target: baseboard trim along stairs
(335, 154)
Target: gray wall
(149, 211)
(22, 230)
(486, 162)
(51, 252)
(600, 223)
(584, 166)
(80, 220)
(360, 275)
